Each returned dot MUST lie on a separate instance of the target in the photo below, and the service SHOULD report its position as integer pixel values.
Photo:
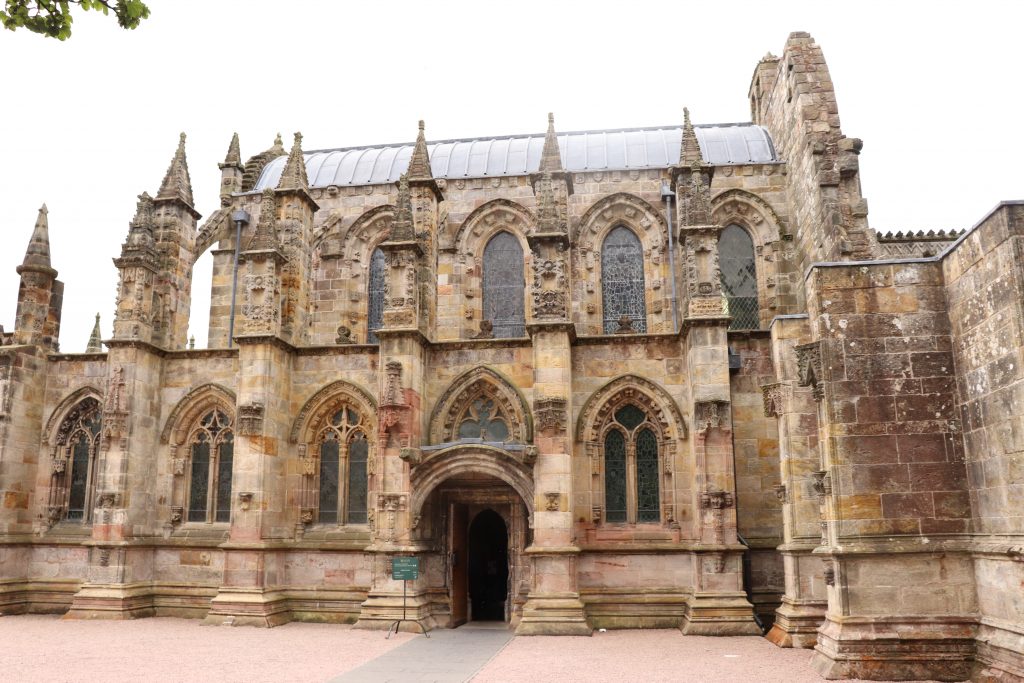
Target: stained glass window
(79, 477)
(629, 416)
(212, 451)
(739, 277)
(504, 286)
(200, 479)
(481, 422)
(375, 311)
(78, 441)
(329, 463)
(344, 468)
(358, 452)
(615, 477)
(622, 280)
(647, 501)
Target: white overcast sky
(933, 89)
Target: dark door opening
(488, 566)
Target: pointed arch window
(739, 277)
(622, 280)
(375, 297)
(74, 463)
(631, 468)
(504, 287)
(211, 458)
(343, 474)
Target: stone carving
(245, 500)
(821, 483)
(108, 500)
(344, 336)
(781, 493)
(829, 573)
(306, 516)
(58, 463)
(178, 466)
(625, 325)
(550, 282)
(809, 368)
(595, 514)
(551, 414)
(104, 557)
(308, 466)
(413, 456)
(708, 415)
(390, 504)
(715, 562)
(54, 513)
(250, 419)
(713, 499)
(315, 408)
(530, 454)
(6, 390)
(486, 330)
(115, 413)
(177, 514)
(774, 396)
(553, 501)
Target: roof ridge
(541, 135)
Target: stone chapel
(630, 378)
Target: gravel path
(46, 648)
(649, 655)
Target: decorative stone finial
(234, 155)
(37, 255)
(550, 157)
(419, 162)
(402, 227)
(265, 237)
(293, 177)
(690, 151)
(177, 184)
(95, 345)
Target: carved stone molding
(309, 466)
(245, 500)
(651, 397)
(551, 414)
(553, 501)
(250, 419)
(480, 382)
(306, 516)
(595, 514)
(177, 514)
(809, 368)
(821, 483)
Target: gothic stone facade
(691, 390)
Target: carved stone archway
(515, 469)
(480, 381)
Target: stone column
(804, 599)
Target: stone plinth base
(248, 607)
(381, 610)
(1000, 655)
(720, 614)
(553, 615)
(890, 649)
(111, 602)
(796, 623)
(622, 608)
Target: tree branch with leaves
(52, 18)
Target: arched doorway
(487, 556)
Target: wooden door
(459, 562)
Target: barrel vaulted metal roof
(594, 150)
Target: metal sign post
(405, 569)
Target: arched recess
(648, 224)
(470, 241)
(630, 388)
(470, 459)
(644, 421)
(766, 228)
(190, 408)
(67, 404)
(320, 404)
(344, 254)
(457, 403)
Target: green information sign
(405, 568)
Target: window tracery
(622, 281)
(504, 287)
(739, 277)
(74, 463)
(343, 474)
(481, 405)
(211, 457)
(631, 468)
